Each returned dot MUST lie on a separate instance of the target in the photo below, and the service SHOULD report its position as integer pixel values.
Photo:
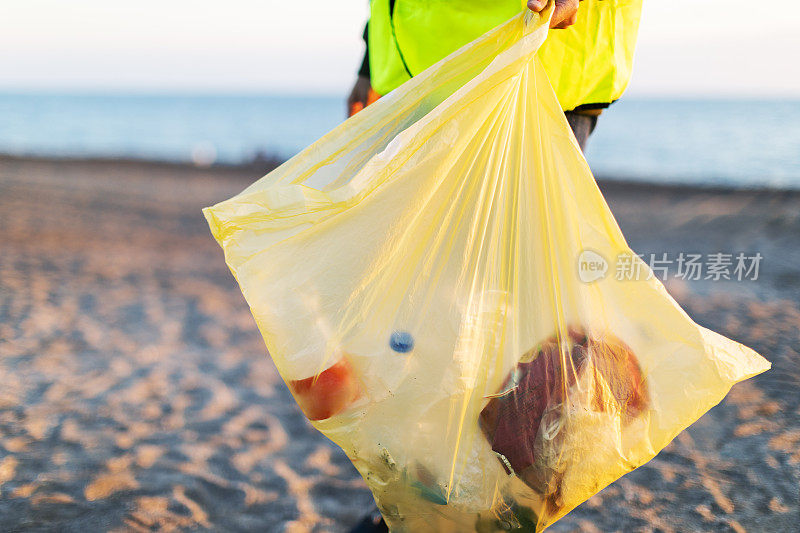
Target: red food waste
(328, 393)
(512, 422)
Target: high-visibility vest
(589, 64)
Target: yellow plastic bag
(432, 281)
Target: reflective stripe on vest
(588, 64)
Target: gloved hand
(359, 96)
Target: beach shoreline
(138, 394)
(254, 169)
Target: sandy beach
(137, 394)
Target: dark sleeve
(364, 70)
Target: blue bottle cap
(401, 342)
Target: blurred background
(715, 96)
(137, 394)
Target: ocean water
(745, 143)
(719, 142)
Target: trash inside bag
(432, 279)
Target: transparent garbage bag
(432, 282)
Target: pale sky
(686, 47)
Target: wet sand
(136, 394)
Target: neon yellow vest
(588, 64)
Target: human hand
(358, 96)
(565, 12)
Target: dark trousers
(582, 125)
